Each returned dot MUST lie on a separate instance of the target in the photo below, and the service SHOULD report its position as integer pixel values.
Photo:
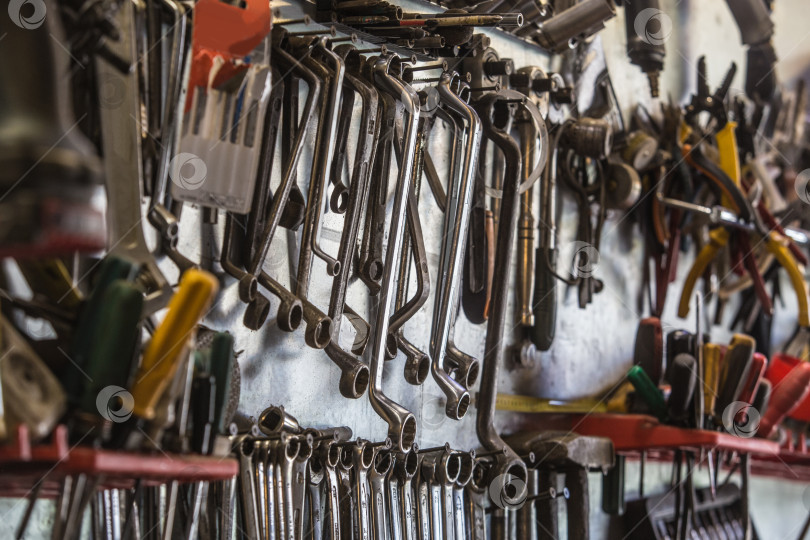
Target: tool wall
(289, 272)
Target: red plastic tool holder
(637, 433)
(23, 466)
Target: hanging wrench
(383, 463)
(401, 422)
(456, 220)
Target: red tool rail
(638, 432)
(635, 433)
(23, 466)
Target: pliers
(726, 177)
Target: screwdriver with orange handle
(161, 357)
(785, 397)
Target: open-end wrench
(423, 506)
(123, 166)
(507, 463)
(383, 463)
(401, 422)
(354, 373)
(456, 220)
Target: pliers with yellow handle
(774, 242)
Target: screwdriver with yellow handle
(161, 357)
(712, 355)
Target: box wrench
(506, 463)
(291, 310)
(362, 456)
(461, 366)
(245, 451)
(348, 521)
(329, 453)
(261, 450)
(406, 467)
(417, 363)
(383, 463)
(319, 332)
(354, 373)
(456, 222)
(466, 466)
(315, 501)
(299, 484)
(123, 168)
(440, 469)
(401, 422)
(370, 268)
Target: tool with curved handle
(401, 422)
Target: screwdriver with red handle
(785, 397)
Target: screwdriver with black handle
(649, 348)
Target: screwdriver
(755, 378)
(734, 373)
(785, 397)
(678, 341)
(649, 349)
(118, 336)
(683, 378)
(712, 354)
(762, 397)
(648, 391)
(160, 359)
(112, 268)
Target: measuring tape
(530, 404)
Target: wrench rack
(23, 466)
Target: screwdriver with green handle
(91, 315)
(648, 392)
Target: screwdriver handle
(683, 380)
(649, 348)
(755, 377)
(648, 391)
(785, 397)
(222, 362)
(114, 342)
(545, 298)
(90, 317)
(762, 397)
(712, 354)
(160, 359)
(734, 371)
